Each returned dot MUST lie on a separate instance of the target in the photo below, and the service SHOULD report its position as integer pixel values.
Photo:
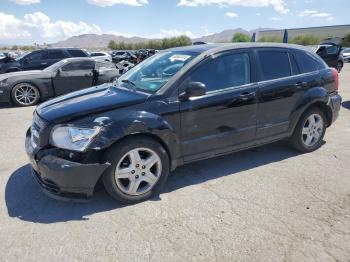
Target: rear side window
(81, 65)
(273, 65)
(307, 63)
(223, 72)
(76, 53)
(35, 56)
(56, 54)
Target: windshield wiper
(130, 83)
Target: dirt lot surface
(266, 204)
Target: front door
(224, 119)
(73, 76)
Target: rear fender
(313, 96)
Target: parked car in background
(40, 59)
(118, 56)
(101, 56)
(179, 106)
(2, 57)
(27, 88)
(330, 51)
(346, 54)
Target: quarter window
(273, 65)
(223, 72)
(306, 63)
(56, 54)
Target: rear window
(76, 53)
(56, 54)
(307, 63)
(273, 65)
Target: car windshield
(21, 56)
(155, 72)
(55, 66)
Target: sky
(48, 21)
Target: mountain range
(91, 41)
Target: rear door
(280, 87)
(225, 117)
(53, 56)
(74, 76)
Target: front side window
(76, 66)
(35, 56)
(273, 65)
(223, 72)
(155, 72)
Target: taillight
(336, 77)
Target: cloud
(104, 3)
(174, 33)
(231, 15)
(275, 18)
(40, 27)
(314, 13)
(26, 2)
(278, 5)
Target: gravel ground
(266, 204)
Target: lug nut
(143, 173)
(133, 172)
(137, 165)
(143, 167)
(136, 176)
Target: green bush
(305, 40)
(240, 37)
(271, 39)
(346, 41)
(152, 44)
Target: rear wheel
(309, 132)
(25, 94)
(140, 167)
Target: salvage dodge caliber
(179, 106)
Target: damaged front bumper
(61, 178)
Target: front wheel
(140, 167)
(309, 132)
(25, 94)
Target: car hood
(20, 73)
(91, 100)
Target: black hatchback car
(181, 105)
(40, 59)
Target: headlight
(73, 138)
(3, 82)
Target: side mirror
(58, 72)
(193, 89)
(25, 61)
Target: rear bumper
(335, 104)
(60, 178)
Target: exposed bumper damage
(61, 178)
(335, 104)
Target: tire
(25, 94)
(305, 130)
(125, 175)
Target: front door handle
(43, 63)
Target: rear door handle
(246, 96)
(43, 63)
(301, 85)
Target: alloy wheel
(26, 95)
(312, 130)
(138, 171)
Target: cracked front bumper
(61, 178)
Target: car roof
(73, 59)
(214, 48)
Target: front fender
(139, 122)
(309, 97)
